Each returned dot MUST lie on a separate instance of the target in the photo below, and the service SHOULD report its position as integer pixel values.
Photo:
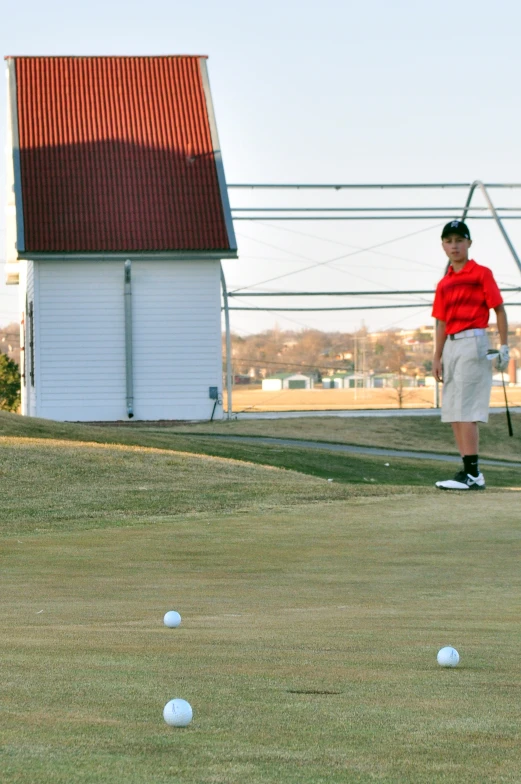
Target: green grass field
(425, 433)
(312, 612)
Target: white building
(117, 220)
(347, 381)
(287, 381)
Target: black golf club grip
(509, 420)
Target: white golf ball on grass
(172, 619)
(178, 713)
(448, 657)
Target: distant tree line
(324, 353)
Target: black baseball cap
(456, 227)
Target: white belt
(468, 333)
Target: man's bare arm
(502, 324)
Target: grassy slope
(51, 485)
(425, 433)
(98, 485)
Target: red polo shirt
(463, 299)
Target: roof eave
(15, 136)
(173, 255)
(223, 188)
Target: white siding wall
(176, 310)
(81, 340)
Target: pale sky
(329, 92)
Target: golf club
(492, 354)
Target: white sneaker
(463, 481)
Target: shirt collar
(468, 267)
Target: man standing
(463, 300)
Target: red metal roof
(116, 154)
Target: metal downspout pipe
(128, 339)
(228, 346)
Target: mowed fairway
(312, 615)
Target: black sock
(470, 463)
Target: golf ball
(178, 713)
(448, 657)
(172, 619)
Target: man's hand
(503, 358)
(437, 369)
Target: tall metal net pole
(228, 346)
(483, 189)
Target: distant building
(347, 381)
(241, 379)
(117, 220)
(287, 381)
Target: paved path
(357, 450)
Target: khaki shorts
(467, 380)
